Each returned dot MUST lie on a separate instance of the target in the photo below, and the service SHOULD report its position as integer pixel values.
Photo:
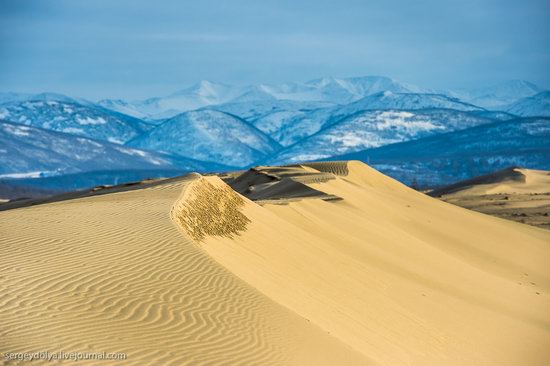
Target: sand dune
(511, 180)
(113, 273)
(517, 194)
(400, 277)
(190, 272)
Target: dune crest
(401, 277)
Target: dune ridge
(402, 278)
(334, 167)
(517, 194)
(114, 273)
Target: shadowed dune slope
(402, 278)
(280, 183)
(511, 180)
(113, 273)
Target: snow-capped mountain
(289, 128)
(368, 85)
(69, 117)
(350, 89)
(405, 101)
(199, 95)
(254, 94)
(209, 135)
(56, 97)
(20, 97)
(255, 110)
(499, 95)
(124, 107)
(447, 158)
(537, 105)
(335, 90)
(207, 93)
(27, 151)
(368, 129)
(277, 123)
(326, 89)
(285, 121)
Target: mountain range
(328, 89)
(213, 126)
(373, 128)
(450, 157)
(30, 152)
(209, 135)
(206, 93)
(498, 96)
(74, 118)
(536, 105)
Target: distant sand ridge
(517, 194)
(320, 264)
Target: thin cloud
(185, 37)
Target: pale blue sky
(134, 49)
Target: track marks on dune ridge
(335, 167)
(210, 210)
(115, 286)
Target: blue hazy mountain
(536, 105)
(251, 111)
(227, 125)
(290, 128)
(27, 151)
(70, 117)
(208, 93)
(373, 128)
(6, 97)
(209, 135)
(196, 96)
(406, 101)
(327, 89)
(500, 95)
(451, 157)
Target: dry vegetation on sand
(212, 210)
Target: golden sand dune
(113, 273)
(402, 278)
(190, 272)
(517, 194)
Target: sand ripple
(113, 273)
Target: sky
(136, 49)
